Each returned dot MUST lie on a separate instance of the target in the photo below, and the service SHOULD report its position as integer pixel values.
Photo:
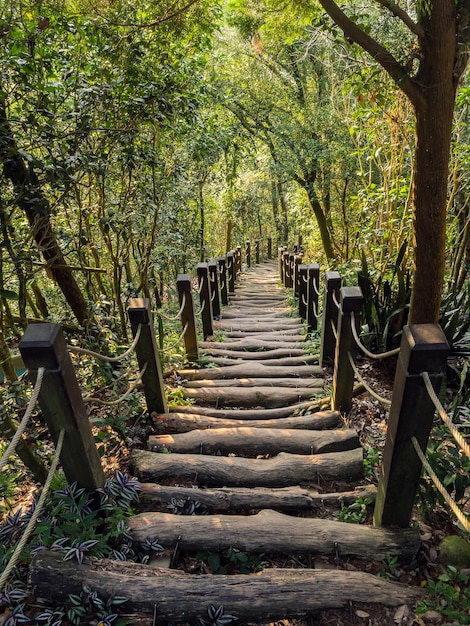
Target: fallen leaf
(400, 614)
(362, 614)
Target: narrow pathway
(247, 479)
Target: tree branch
(403, 16)
(380, 54)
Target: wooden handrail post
(223, 281)
(140, 313)
(183, 285)
(423, 349)
(248, 253)
(214, 284)
(329, 317)
(270, 248)
(205, 299)
(231, 270)
(280, 260)
(257, 251)
(295, 278)
(61, 402)
(285, 257)
(313, 279)
(238, 250)
(303, 291)
(301, 240)
(290, 275)
(351, 301)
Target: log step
(284, 470)
(255, 368)
(185, 422)
(250, 414)
(273, 353)
(251, 345)
(285, 361)
(267, 596)
(249, 441)
(293, 383)
(272, 533)
(269, 397)
(233, 500)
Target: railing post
(231, 270)
(205, 299)
(223, 281)
(313, 278)
(351, 301)
(300, 242)
(140, 313)
(61, 402)
(257, 251)
(303, 291)
(290, 275)
(296, 284)
(183, 285)
(214, 283)
(330, 316)
(280, 260)
(238, 250)
(248, 253)
(423, 349)
(285, 258)
(270, 248)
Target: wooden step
(273, 353)
(283, 361)
(272, 533)
(254, 368)
(185, 422)
(283, 470)
(267, 596)
(251, 345)
(249, 441)
(312, 383)
(249, 414)
(240, 499)
(268, 397)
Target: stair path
(256, 452)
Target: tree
(429, 75)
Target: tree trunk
(321, 220)
(35, 205)
(434, 115)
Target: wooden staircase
(263, 461)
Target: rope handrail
(444, 416)
(109, 359)
(361, 346)
(123, 397)
(172, 347)
(316, 313)
(335, 300)
(25, 419)
(366, 385)
(213, 296)
(315, 288)
(333, 328)
(304, 300)
(37, 511)
(201, 285)
(178, 315)
(459, 514)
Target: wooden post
(257, 251)
(140, 313)
(248, 253)
(351, 301)
(313, 278)
(330, 315)
(228, 240)
(239, 260)
(280, 260)
(303, 291)
(300, 242)
(205, 299)
(291, 271)
(183, 284)
(231, 270)
(61, 402)
(295, 278)
(285, 257)
(223, 281)
(214, 284)
(423, 349)
(270, 248)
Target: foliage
(449, 595)
(355, 513)
(232, 561)
(217, 617)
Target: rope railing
(316, 313)
(173, 346)
(445, 417)
(178, 315)
(109, 359)
(34, 517)
(333, 328)
(361, 346)
(201, 285)
(132, 387)
(25, 419)
(459, 514)
(335, 299)
(315, 288)
(365, 384)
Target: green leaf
(8, 294)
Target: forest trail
(247, 478)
